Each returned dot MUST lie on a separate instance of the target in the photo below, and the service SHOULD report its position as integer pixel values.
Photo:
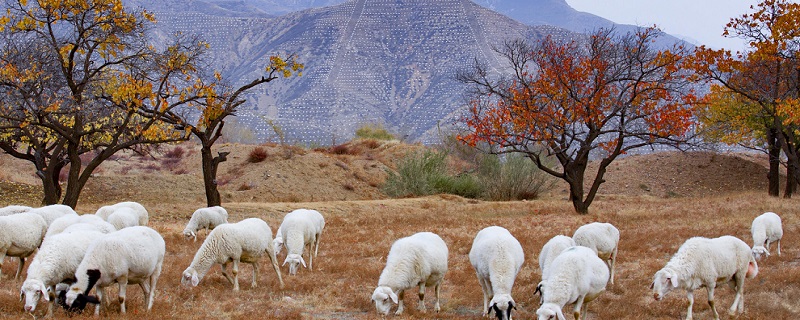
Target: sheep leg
(613, 261)
(235, 272)
(255, 275)
(224, 267)
(274, 260)
(738, 301)
(576, 311)
(422, 296)
(711, 301)
(310, 256)
(100, 294)
(2, 258)
(19, 267)
(400, 296)
(437, 290)
(487, 292)
(316, 244)
(779, 246)
(123, 284)
(690, 297)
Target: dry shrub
(176, 153)
(257, 155)
(339, 149)
(371, 143)
(348, 186)
(246, 186)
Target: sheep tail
(752, 268)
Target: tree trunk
(791, 181)
(50, 186)
(574, 177)
(210, 165)
(773, 176)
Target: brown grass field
(359, 232)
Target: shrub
(376, 132)
(417, 174)
(175, 153)
(257, 155)
(512, 177)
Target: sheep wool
(766, 229)
(601, 237)
(22, 234)
(300, 229)
(417, 260)
(141, 212)
(497, 257)
(576, 276)
(205, 218)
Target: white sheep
(277, 243)
(57, 260)
(52, 212)
(58, 225)
(21, 235)
(497, 257)
(132, 255)
(702, 262)
(123, 217)
(101, 226)
(105, 211)
(301, 228)
(549, 252)
(205, 218)
(603, 238)
(576, 276)
(244, 241)
(9, 210)
(766, 229)
(419, 260)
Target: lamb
(550, 251)
(301, 228)
(244, 241)
(132, 255)
(106, 211)
(123, 217)
(52, 212)
(702, 262)
(57, 261)
(21, 235)
(205, 218)
(497, 257)
(603, 238)
(576, 276)
(417, 260)
(766, 229)
(58, 225)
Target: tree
(81, 82)
(766, 76)
(597, 97)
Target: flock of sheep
(114, 246)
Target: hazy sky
(700, 20)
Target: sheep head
(188, 233)
(76, 298)
(550, 311)
(383, 297)
(760, 252)
(277, 244)
(31, 291)
(294, 260)
(502, 305)
(664, 281)
(190, 277)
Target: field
(656, 201)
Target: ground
(657, 201)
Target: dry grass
(358, 235)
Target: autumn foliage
(599, 97)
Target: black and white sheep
(140, 210)
(419, 260)
(766, 229)
(301, 228)
(244, 241)
(703, 262)
(601, 237)
(205, 218)
(576, 276)
(21, 235)
(132, 255)
(497, 257)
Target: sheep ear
(45, 292)
(393, 296)
(21, 296)
(674, 280)
(652, 284)
(195, 280)
(92, 299)
(285, 260)
(303, 262)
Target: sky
(698, 21)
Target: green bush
(417, 174)
(377, 132)
(512, 177)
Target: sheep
(205, 218)
(702, 262)
(123, 217)
(21, 235)
(301, 228)
(603, 238)
(60, 224)
(277, 243)
(9, 210)
(766, 229)
(497, 257)
(417, 260)
(549, 252)
(57, 261)
(132, 255)
(52, 212)
(105, 211)
(576, 276)
(244, 241)
(101, 226)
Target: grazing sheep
(550, 251)
(141, 212)
(277, 243)
(21, 235)
(497, 257)
(205, 218)
(702, 262)
(52, 212)
(419, 260)
(57, 260)
(9, 210)
(132, 255)
(123, 217)
(576, 276)
(766, 229)
(60, 224)
(603, 238)
(244, 241)
(301, 228)
(101, 226)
